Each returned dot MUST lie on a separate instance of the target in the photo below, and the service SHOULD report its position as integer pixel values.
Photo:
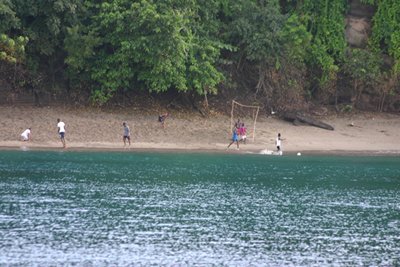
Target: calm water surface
(149, 209)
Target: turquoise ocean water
(167, 209)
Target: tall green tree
(12, 50)
(147, 44)
(272, 44)
(8, 16)
(325, 21)
(363, 67)
(386, 30)
(45, 24)
(12, 47)
(254, 28)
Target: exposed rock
(358, 23)
(357, 31)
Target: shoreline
(216, 150)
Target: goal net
(244, 114)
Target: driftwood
(298, 118)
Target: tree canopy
(102, 48)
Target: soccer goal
(244, 112)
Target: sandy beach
(90, 129)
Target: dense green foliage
(146, 45)
(386, 30)
(325, 22)
(11, 49)
(102, 48)
(363, 68)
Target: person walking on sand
(61, 131)
(234, 138)
(26, 135)
(127, 134)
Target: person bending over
(162, 118)
(26, 135)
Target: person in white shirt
(61, 131)
(278, 142)
(26, 135)
(127, 134)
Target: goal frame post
(246, 106)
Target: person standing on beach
(278, 142)
(243, 133)
(237, 124)
(234, 138)
(61, 131)
(27, 135)
(127, 134)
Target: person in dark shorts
(61, 131)
(127, 134)
(162, 118)
(278, 142)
